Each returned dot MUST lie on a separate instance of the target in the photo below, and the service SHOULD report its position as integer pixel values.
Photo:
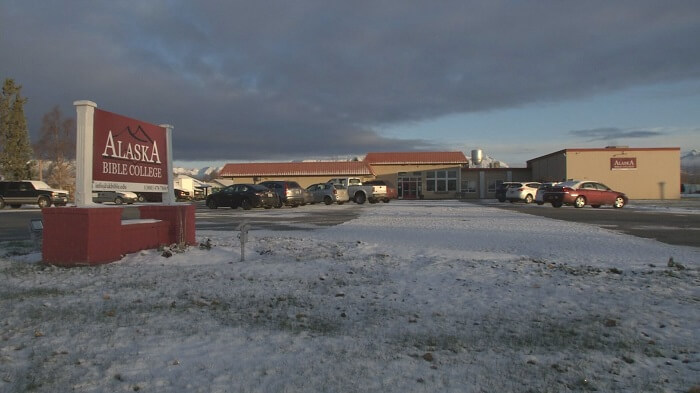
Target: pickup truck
(357, 192)
(382, 191)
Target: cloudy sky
(290, 80)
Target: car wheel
(556, 204)
(245, 204)
(579, 202)
(44, 202)
(141, 198)
(2, 203)
(327, 200)
(386, 200)
(528, 198)
(360, 198)
(619, 202)
(212, 204)
(118, 200)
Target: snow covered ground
(410, 297)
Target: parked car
(539, 197)
(30, 192)
(289, 193)
(357, 191)
(501, 190)
(118, 197)
(382, 191)
(328, 193)
(246, 196)
(182, 195)
(308, 197)
(524, 191)
(584, 192)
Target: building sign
(128, 154)
(623, 163)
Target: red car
(584, 192)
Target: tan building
(641, 173)
(418, 175)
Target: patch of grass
(16, 248)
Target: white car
(328, 193)
(522, 191)
(539, 197)
(118, 197)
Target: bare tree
(57, 145)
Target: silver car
(118, 197)
(329, 193)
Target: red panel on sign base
(144, 236)
(180, 217)
(81, 236)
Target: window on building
(468, 186)
(441, 181)
(493, 185)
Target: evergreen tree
(15, 150)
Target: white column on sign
(169, 197)
(85, 122)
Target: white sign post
(169, 197)
(84, 144)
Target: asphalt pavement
(669, 221)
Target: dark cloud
(613, 134)
(277, 79)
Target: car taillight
(521, 189)
(335, 192)
(567, 189)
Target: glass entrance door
(408, 187)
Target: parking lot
(671, 222)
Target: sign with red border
(128, 154)
(623, 163)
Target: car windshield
(570, 183)
(40, 185)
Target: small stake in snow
(243, 236)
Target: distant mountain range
(198, 174)
(690, 167)
(691, 159)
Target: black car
(246, 196)
(288, 193)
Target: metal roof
(425, 157)
(317, 168)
